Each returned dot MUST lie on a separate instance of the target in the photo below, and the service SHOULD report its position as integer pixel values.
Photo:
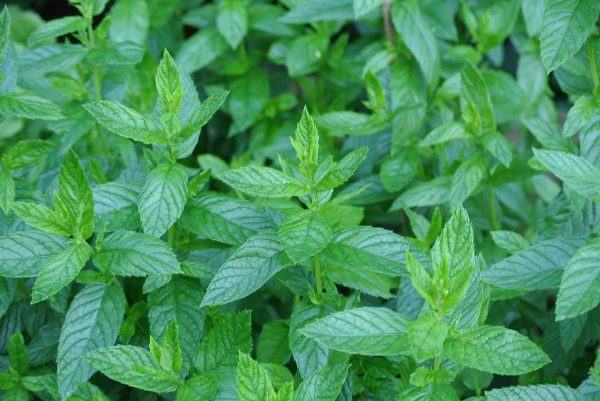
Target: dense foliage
(303, 200)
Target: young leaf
(7, 190)
(364, 331)
(426, 337)
(30, 106)
(163, 198)
(496, 350)
(304, 234)
(252, 381)
(168, 84)
(17, 353)
(92, 321)
(26, 153)
(324, 385)
(134, 254)
(76, 195)
(232, 21)
(56, 27)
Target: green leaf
(26, 153)
(580, 286)
(577, 173)
(363, 7)
(252, 380)
(306, 141)
(4, 32)
(539, 266)
(310, 11)
(57, 27)
(369, 248)
(204, 113)
(324, 385)
(540, 392)
(584, 109)
(129, 21)
(59, 271)
(17, 353)
(400, 169)
(426, 337)
(419, 39)
(475, 101)
(190, 60)
(76, 195)
(304, 234)
(30, 106)
(496, 350)
(220, 347)
(454, 245)
(495, 143)
(342, 170)
(224, 219)
(43, 218)
(247, 270)
(178, 301)
(547, 133)
(169, 84)
(466, 179)
(125, 122)
(92, 321)
(305, 53)
(445, 133)
(273, 343)
(115, 205)
(510, 241)
(309, 355)
(163, 198)
(133, 366)
(202, 387)
(7, 190)
(565, 28)
(22, 254)
(128, 253)
(232, 21)
(363, 331)
(262, 181)
(248, 98)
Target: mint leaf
(262, 181)
(304, 234)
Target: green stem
(591, 53)
(171, 237)
(476, 383)
(492, 205)
(317, 268)
(437, 363)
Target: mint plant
(247, 200)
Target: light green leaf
(324, 385)
(128, 253)
(22, 254)
(426, 337)
(273, 343)
(363, 331)
(455, 246)
(43, 218)
(248, 98)
(92, 321)
(57, 27)
(232, 21)
(445, 133)
(26, 153)
(230, 334)
(169, 84)
(178, 301)
(304, 234)
(419, 39)
(428, 193)
(399, 170)
(125, 122)
(262, 181)
(547, 133)
(200, 50)
(495, 143)
(369, 248)
(7, 190)
(510, 241)
(539, 266)
(475, 101)
(17, 353)
(496, 350)
(309, 355)
(565, 28)
(133, 366)
(204, 113)
(584, 109)
(310, 11)
(580, 286)
(163, 198)
(305, 53)
(306, 143)
(466, 179)
(343, 170)
(76, 195)
(4, 32)
(540, 392)
(362, 7)
(248, 269)
(115, 205)
(577, 173)
(30, 106)
(200, 387)
(129, 21)
(252, 381)
(59, 271)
